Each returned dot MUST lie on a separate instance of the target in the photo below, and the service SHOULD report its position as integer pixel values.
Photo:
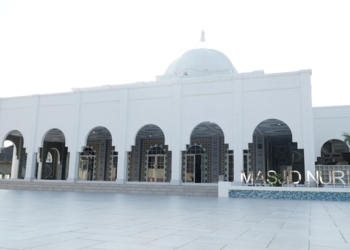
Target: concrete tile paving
(40, 220)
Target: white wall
(178, 105)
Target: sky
(54, 46)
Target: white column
(73, 166)
(176, 162)
(238, 130)
(74, 147)
(123, 148)
(14, 164)
(40, 169)
(122, 167)
(31, 148)
(307, 118)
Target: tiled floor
(64, 221)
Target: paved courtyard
(63, 220)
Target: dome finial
(202, 36)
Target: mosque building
(200, 122)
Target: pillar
(176, 162)
(237, 108)
(40, 170)
(73, 166)
(31, 148)
(122, 149)
(74, 147)
(14, 164)
(122, 166)
(307, 121)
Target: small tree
(346, 138)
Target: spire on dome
(202, 36)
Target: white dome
(201, 62)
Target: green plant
(276, 180)
(346, 138)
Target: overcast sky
(54, 46)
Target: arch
(252, 122)
(15, 152)
(272, 148)
(55, 155)
(55, 135)
(272, 127)
(150, 131)
(141, 166)
(9, 136)
(53, 142)
(103, 166)
(210, 160)
(98, 133)
(207, 128)
(88, 151)
(156, 149)
(196, 149)
(49, 158)
(334, 151)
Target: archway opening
(335, 156)
(272, 148)
(53, 157)
(149, 159)
(98, 161)
(13, 157)
(207, 157)
(334, 152)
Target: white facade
(206, 90)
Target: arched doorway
(206, 157)
(155, 166)
(13, 156)
(52, 166)
(87, 164)
(98, 161)
(334, 152)
(149, 159)
(272, 148)
(195, 164)
(53, 157)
